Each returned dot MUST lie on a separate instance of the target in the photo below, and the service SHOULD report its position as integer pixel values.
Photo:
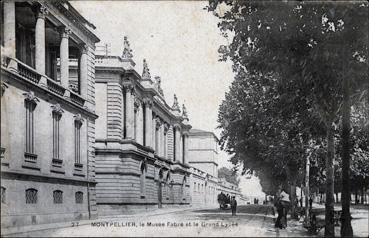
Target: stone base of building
(127, 209)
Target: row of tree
(300, 91)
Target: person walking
(234, 206)
(285, 203)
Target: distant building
(47, 125)
(141, 141)
(203, 158)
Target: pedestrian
(285, 203)
(310, 202)
(234, 206)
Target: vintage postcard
(184, 118)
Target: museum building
(141, 141)
(47, 124)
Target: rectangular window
(31, 196)
(58, 196)
(77, 142)
(56, 135)
(30, 143)
(79, 197)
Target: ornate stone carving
(147, 102)
(137, 103)
(57, 109)
(129, 88)
(145, 72)
(158, 123)
(78, 118)
(84, 48)
(175, 106)
(30, 96)
(42, 11)
(184, 112)
(65, 32)
(127, 51)
(166, 128)
(4, 86)
(158, 85)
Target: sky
(180, 42)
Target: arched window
(143, 170)
(58, 196)
(79, 197)
(31, 196)
(3, 194)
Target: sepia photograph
(184, 118)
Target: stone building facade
(141, 141)
(47, 125)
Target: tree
(316, 47)
(229, 175)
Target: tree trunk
(346, 228)
(337, 201)
(293, 201)
(307, 190)
(329, 202)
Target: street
(251, 220)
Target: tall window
(3, 194)
(30, 130)
(77, 140)
(135, 118)
(58, 196)
(79, 197)
(183, 148)
(174, 144)
(57, 114)
(194, 186)
(31, 196)
(143, 170)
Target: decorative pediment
(127, 51)
(57, 109)
(175, 106)
(145, 72)
(30, 97)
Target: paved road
(251, 220)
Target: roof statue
(145, 71)
(184, 112)
(175, 106)
(127, 51)
(158, 85)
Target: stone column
(40, 40)
(83, 82)
(148, 123)
(9, 28)
(129, 91)
(64, 57)
(177, 144)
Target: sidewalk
(39, 227)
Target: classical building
(141, 141)
(204, 181)
(47, 122)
